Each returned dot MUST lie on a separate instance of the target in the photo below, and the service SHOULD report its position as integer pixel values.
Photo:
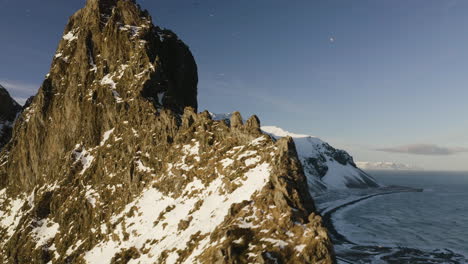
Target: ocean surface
(435, 220)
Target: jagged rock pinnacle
(122, 33)
(9, 109)
(105, 5)
(236, 120)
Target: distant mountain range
(365, 165)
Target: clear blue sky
(361, 74)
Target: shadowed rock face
(109, 66)
(9, 109)
(110, 162)
(105, 5)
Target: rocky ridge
(325, 167)
(9, 110)
(110, 163)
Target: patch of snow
(235, 150)
(91, 62)
(107, 80)
(161, 97)
(134, 30)
(300, 248)
(257, 141)
(238, 241)
(191, 150)
(10, 218)
(247, 154)
(275, 242)
(122, 69)
(70, 36)
(74, 247)
(227, 162)
(106, 136)
(45, 231)
(135, 133)
(141, 167)
(244, 224)
(85, 158)
(91, 195)
(252, 161)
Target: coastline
(348, 251)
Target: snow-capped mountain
(111, 163)
(365, 165)
(325, 166)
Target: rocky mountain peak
(116, 42)
(106, 7)
(236, 120)
(108, 68)
(111, 163)
(104, 3)
(9, 109)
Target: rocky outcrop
(9, 109)
(110, 162)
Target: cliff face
(111, 163)
(9, 109)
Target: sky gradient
(384, 80)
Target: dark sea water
(433, 220)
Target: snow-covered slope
(325, 166)
(366, 165)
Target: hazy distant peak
(9, 110)
(365, 165)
